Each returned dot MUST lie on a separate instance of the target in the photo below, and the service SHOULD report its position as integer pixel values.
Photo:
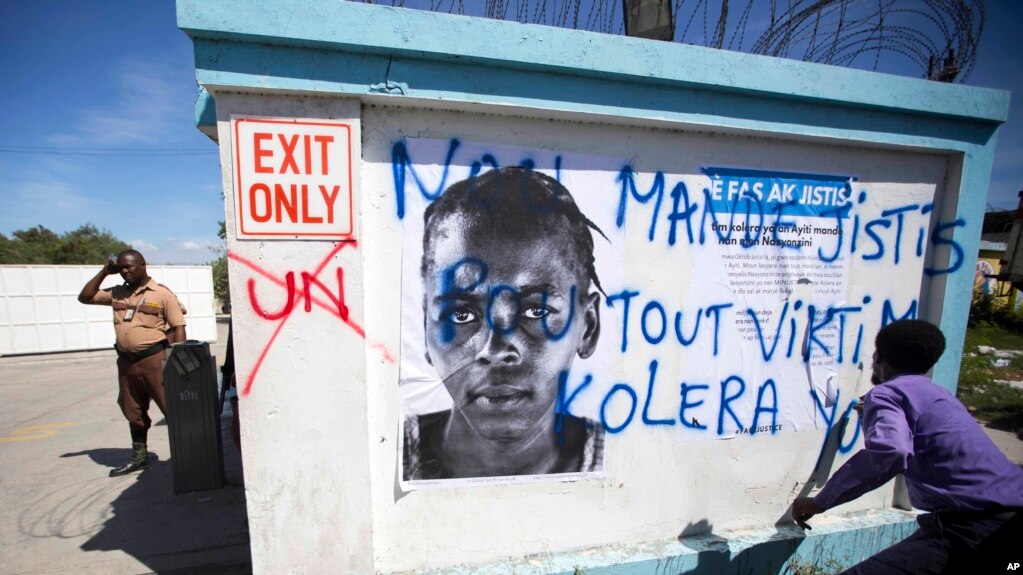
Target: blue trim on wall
(261, 67)
(958, 292)
(205, 110)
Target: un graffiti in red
(330, 301)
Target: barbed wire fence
(936, 38)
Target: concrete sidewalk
(60, 434)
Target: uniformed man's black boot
(139, 461)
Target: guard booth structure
(759, 220)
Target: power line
(61, 151)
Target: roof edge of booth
(406, 33)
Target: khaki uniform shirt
(156, 310)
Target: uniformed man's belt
(135, 356)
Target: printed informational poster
(553, 302)
(801, 212)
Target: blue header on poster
(736, 190)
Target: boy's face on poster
(504, 317)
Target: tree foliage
(221, 286)
(84, 246)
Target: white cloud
(190, 245)
(146, 107)
(175, 251)
(143, 246)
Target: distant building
(994, 241)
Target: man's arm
(176, 335)
(174, 315)
(888, 444)
(92, 286)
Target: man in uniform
(147, 319)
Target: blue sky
(98, 77)
(86, 81)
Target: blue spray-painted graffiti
(816, 320)
(755, 206)
(741, 195)
(831, 422)
(731, 388)
(823, 216)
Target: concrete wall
(321, 400)
(40, 313)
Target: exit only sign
(292, 178)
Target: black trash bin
(190, 389)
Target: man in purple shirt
(952, 469)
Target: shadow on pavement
(108, 456)
(196, 532)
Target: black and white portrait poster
(508, 257)
(555, 302)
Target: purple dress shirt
(913, 426)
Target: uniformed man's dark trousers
(140, 381)
(952, 543)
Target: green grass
(799, 566)
(994, 335)
(999, 405)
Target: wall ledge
(834, 541)
(369, 30)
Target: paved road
(60, 433)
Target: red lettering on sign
(306, 217)
(323, 141)
(308, 156)
(290, 148)
(289, 153)
(293, 178)
(283, 203)
(259, 152)
(330, 199)
(254, 205)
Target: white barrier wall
(40, 313)
(763, 219)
